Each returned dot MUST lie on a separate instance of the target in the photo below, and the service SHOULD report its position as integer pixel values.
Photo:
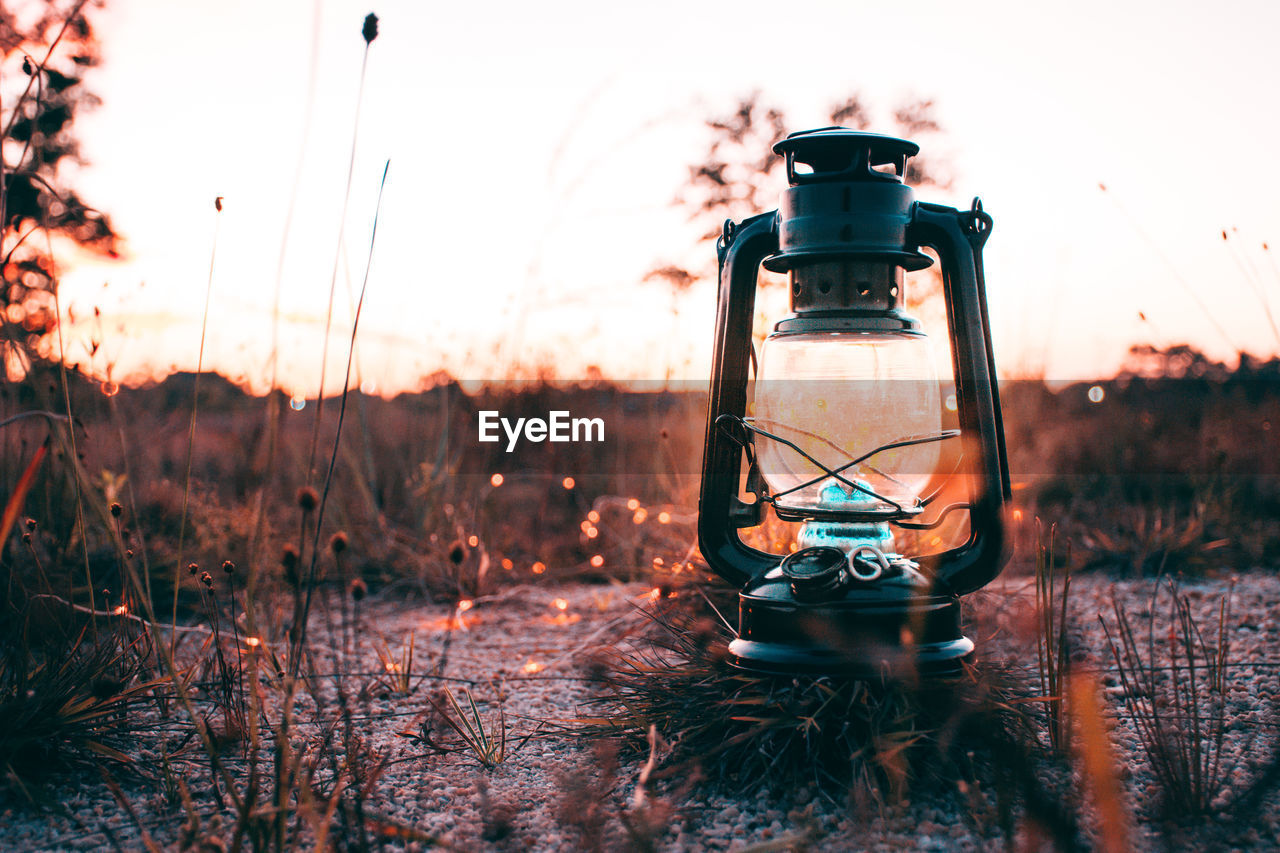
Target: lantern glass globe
(839, 396)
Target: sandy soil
(527, 650)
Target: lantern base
(874, 630)
(776, 659)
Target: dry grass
(1175, 688)
(871, 744)
(70, 699)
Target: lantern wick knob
(868, 568)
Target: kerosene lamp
(838, 425)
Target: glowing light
(252, 642)
(950, 403)
(655, 594)
(110, 389)
(533, 667)
(561, 604)
(664, 518)
(496, 480)
(473, 540)
(593, 516)
(455, 621)
(592, 532)
(640, 516)
(507, 564)
(633, 504)
(597, 561)
(120, 610)
(568, 482)
(1096, 394)
(1017, 515)
(538, 568)
(585, 526)
(297, 403)
(658, 561)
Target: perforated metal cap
(846, 202)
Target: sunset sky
(535, 150)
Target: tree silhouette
(740, 176)
(46, 48)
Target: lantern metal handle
(720, 511)
(958, 238)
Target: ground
(530, 649)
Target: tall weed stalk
(300, 619)
(370, 32)
(191, 428)
(1053, 647)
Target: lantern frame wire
(748, 425)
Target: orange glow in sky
(535, 150)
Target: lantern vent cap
(842, 154)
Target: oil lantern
(842, 424)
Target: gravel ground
(526, 650)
